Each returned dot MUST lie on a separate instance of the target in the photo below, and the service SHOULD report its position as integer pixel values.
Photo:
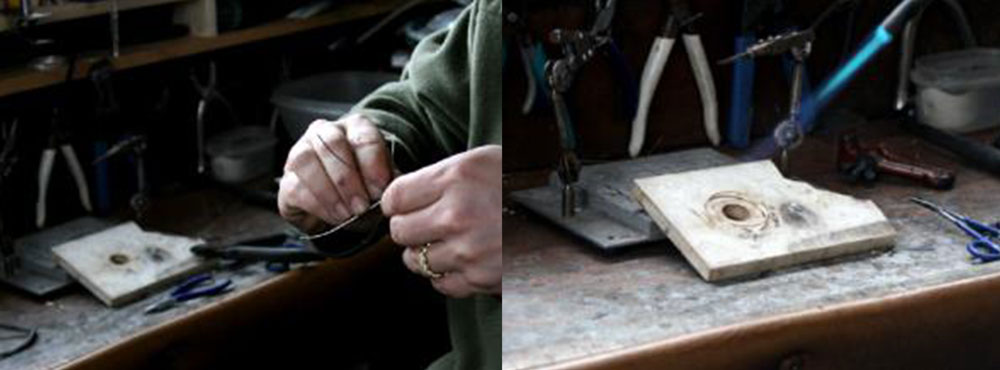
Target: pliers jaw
(681, 19)
(605, 15)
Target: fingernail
(359, 205)
(375, 192)
(342, 212)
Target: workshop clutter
(592, 183)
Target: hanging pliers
(678, 23)
(58, 140)
(8, 136)
(533, 60)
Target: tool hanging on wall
(533, 61)
(578, 49)
(864, 164)
(107, 113)
(678, 23)
(741, 105)
(136, 145)
(208, 93)
(59, 143)
(9, 260)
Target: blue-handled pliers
(983, 246)
(533, 59)
(200, 285)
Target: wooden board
(743, 219)
(124, 263)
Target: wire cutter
(678, 23)
(984, 245)
(200, 285)
(58, 139)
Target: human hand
(453, 208)
(334, 172)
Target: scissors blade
(161, 306)
(951, 216)
(930, 205)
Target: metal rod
(115, 35)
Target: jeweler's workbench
(920, 305)
(77, 331)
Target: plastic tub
(959, 91)
(241, 154)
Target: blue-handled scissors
(984, 245)
(196, 286)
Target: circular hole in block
(736, 212)
(119, 259)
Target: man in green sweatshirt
(443, 120)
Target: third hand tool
(578, 48)
(201, 285)
(790, 132)
(984, 245)
(679, 22)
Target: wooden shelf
(70, 11)
(25, 79)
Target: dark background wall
(675, 116)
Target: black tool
(27, 338)
(983, 156)
(342, 241)
(9, 261)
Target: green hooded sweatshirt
(448, 101)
